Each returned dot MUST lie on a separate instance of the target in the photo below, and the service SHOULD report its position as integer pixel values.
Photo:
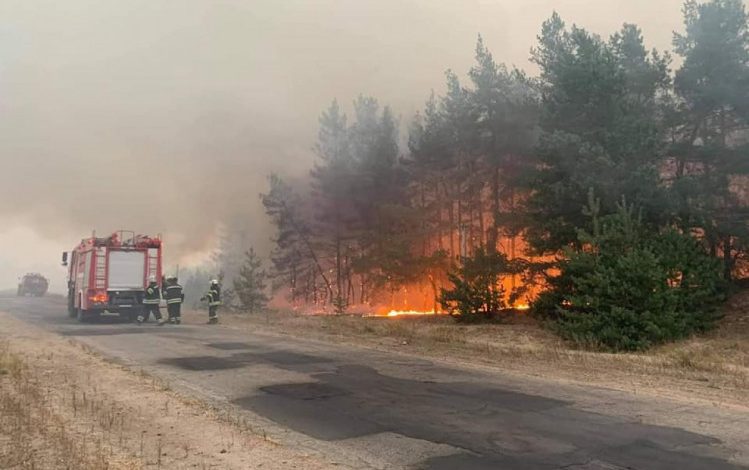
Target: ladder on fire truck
(152, 255)
(100, 268)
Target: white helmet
(151, 278)
(214, 282)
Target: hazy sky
(167, 115)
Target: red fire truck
(111, 274)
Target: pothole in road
(307, 391)
(201, 363)
(282, 359)
(230, 346)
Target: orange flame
(400, 313)
(409, 313)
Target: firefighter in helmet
(151, 302)
(213, 296)
(174, 298)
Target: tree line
(508, 179)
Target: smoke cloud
(165, 116)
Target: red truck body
(111, 274)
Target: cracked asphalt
(372, 409)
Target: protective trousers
(174, 311)
(213, 312)
(149, 309)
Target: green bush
(630, 286)
(477, 293)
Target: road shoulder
(65, 405)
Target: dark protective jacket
(213, 296)
(153, 294)
(173, 294)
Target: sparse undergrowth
(33, 432)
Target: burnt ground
(380, 410)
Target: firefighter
(151, 302)
(213, 296)
(174, 298)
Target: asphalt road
(370, 409)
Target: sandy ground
(65, 407)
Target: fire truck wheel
(71, 306)
(138, 310)
(82, 315)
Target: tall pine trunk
(338, 299)
(451, 224)
(482, 229)
(494, 241)
(727, 259)
(423, 233)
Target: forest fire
(408, 313)
(420, 300)
(420, 313)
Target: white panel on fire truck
(126, 270)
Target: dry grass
(33, 432)
(714, 366)
(724, 351)
(63, 406)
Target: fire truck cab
(111, 274)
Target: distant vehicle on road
(33, 284)
(110, 274)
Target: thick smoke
(166, 116)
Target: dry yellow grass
(33, 432)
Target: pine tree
(506, 112)
(477, 289)
(296, 262)
(710, 149)
(334, 184)
(599, 129)
(362, 224)
(630, 286)
(250, 285)
(385, 221)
